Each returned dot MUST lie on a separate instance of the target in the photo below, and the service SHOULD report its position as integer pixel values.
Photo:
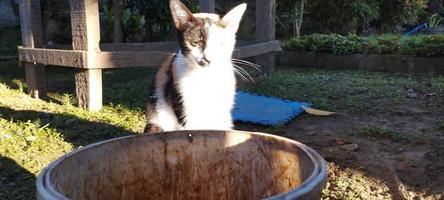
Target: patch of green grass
(438, 85)
(382, 133)
(34, 132)
(441, 126)
(349, 90)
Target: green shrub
(423, 45)
(386, 44)
(333, 43)
(426, 45)
(296, 43)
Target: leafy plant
(136, 27)
(422, 45)
(291, 15)
(133, 23)
(435, 20)
(344, 16)
(396, 13)
(332, 43)
(386, 44)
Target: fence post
(32, 36)
(265, 31)
(85, 27)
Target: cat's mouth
(203, 61)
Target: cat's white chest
(208, 96)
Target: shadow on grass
(18, 183)
(84, 133)
(127, 87)
(15, 181)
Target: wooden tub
(187, 165)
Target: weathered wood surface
(257, 49)
(188, 165)
(129, 55)
(89, 88)
(207, 6)
(150, 46)
(32, 37)
(265, 31)
(85, 27)
(68, 58)
(122, 59)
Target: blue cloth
(265, 110)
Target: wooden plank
(68, 58)
(89, 89)
(32, 36)
(35, 80)
(122, 59)
(85, 25)
(257, 49)
(150, 46)
(85, 28)
(207, 6)
(265, 31)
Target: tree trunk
(118, 5)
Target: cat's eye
(197, 44)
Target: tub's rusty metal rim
(46, 191)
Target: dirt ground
(394, 162)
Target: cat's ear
(233, 18)
(181, 15)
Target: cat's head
(206, 38)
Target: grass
(34, 132)
(437, 83)
(346, 90)
(384, 133)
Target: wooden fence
(91, 57)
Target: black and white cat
(195, 88)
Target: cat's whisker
(236, 70)
(240, 74)
(239, 61)
(246, 73)
(240, 69)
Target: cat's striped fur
(195, 88)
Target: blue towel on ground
(265, 110)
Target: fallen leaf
(317, 112)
